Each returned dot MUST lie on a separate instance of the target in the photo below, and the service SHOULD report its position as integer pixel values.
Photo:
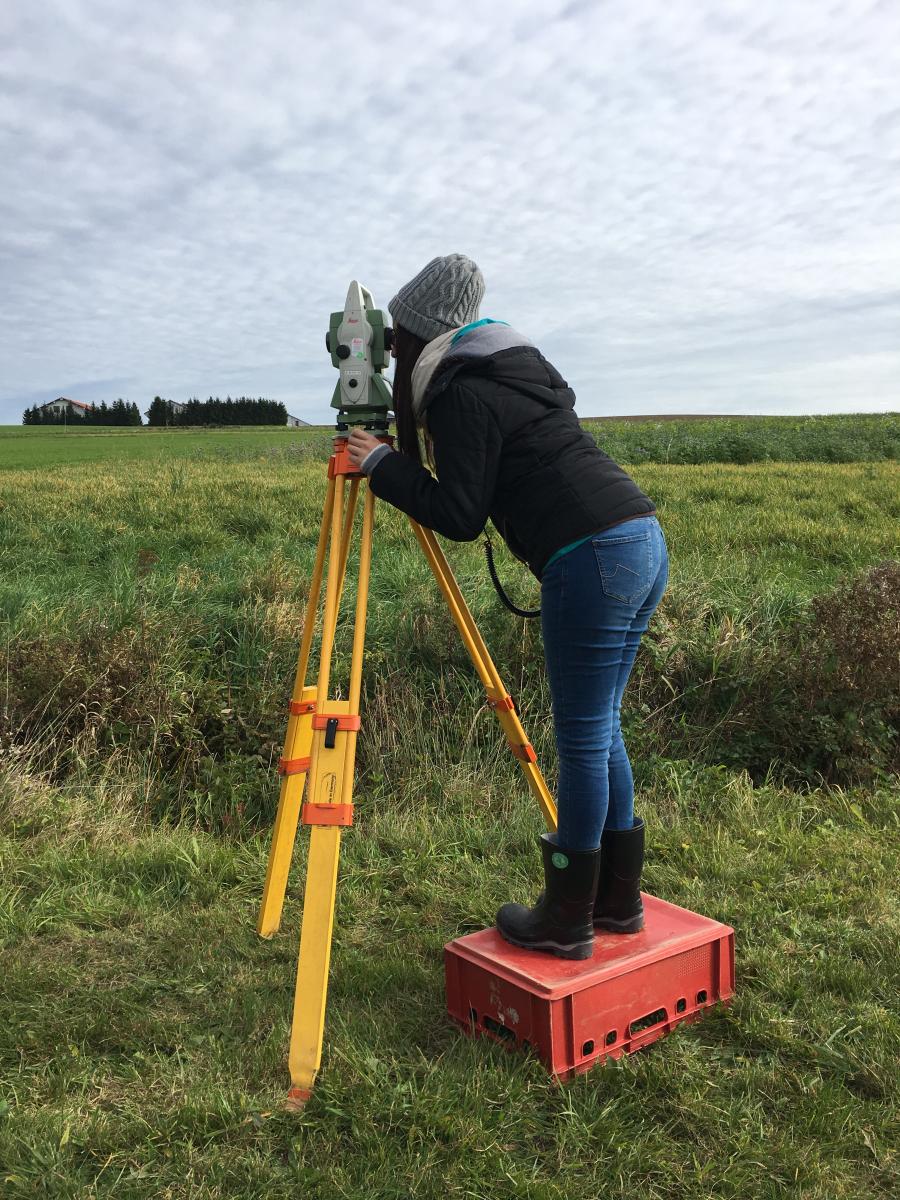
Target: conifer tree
(159, 412)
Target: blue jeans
(596, 603)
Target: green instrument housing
(359, 342)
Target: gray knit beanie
(444, 295)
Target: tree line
(118, 413)
(243, 410)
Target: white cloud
(690, 206)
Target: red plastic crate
(635, 988)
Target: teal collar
(460, 333)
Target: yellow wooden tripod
(320, 750)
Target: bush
(817, 698)
(859, 624)
(850, 673)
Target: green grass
(152, 611)
(842, 438)
(145, 1056)
(27, 448)
(858, 438)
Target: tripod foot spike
(296, 1099)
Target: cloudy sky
(690, 205)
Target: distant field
(25, 448)
(865, 438)
(695, 440)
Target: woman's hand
(359, 444)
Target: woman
(501, 432)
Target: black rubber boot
(561, 921)
(618, 908)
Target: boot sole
(635, 925)
(577, 951)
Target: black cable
(520, 612)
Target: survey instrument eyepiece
(359, 341)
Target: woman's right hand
(360, 444)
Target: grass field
(152, 596)
(872, 438)
(52, 445)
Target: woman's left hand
(359, 444)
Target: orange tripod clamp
(340, 463)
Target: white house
(74, 408)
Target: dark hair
(408, 347)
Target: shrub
(816, 698)
(858, 626)
(849, 674)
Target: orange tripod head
(340, 464)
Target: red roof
(66, 400)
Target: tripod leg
(310, 992)
(328, 809)
(297, 746)
(347, 534)
(498, 697)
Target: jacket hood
(495, 350)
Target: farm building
(73, 408)
(296, 423)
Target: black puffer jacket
(507, 445)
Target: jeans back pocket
(625, 565)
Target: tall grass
(156, 613)
(838, 439)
